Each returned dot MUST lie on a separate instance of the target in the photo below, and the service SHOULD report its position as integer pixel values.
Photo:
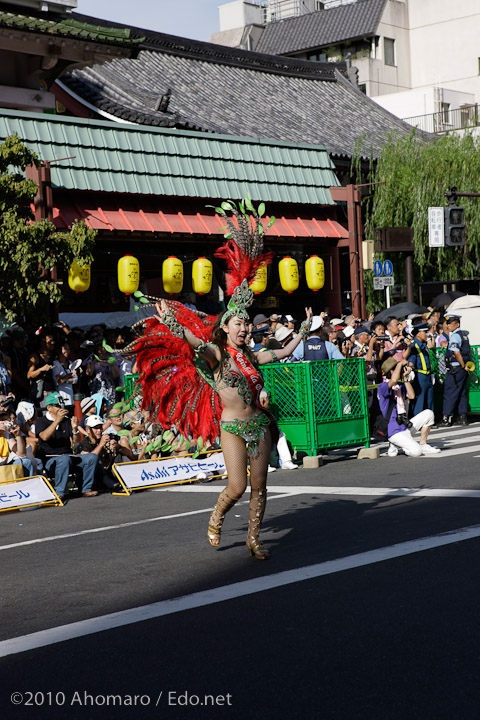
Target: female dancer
(246, 429)
(197, 374)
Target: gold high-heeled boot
(258, 501)
(224, 503)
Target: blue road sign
(377, 268)
(387, 268)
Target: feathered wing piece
(243, 251)
(172, 389)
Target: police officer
(455, 387)
(314, 348)
(419, 360)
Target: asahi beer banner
(30, 491)
(183, 468)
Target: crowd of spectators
(61, 390)
(397, 365)
(61, 405)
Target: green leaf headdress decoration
(242, 251)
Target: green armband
(201, 348)
(305, 328)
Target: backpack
(380, 426)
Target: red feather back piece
(172, 388)
(240, 265)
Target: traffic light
(454, 226)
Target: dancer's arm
(267, 357)
(209, 351)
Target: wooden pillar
(356, 270)
(409, 277)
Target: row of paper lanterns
(202, 273)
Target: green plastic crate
(320, 404)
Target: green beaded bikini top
(224, 375)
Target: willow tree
(414, 176)
(30, 250)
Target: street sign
(388, 281)
(436, 224)
(377, 268)
(379, 283)
(387, 268)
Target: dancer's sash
(253, 376)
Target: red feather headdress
(243, 250)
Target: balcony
(447, 120)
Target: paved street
(368, 607)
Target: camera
(381, 337)
(403, 420)
(8, 425)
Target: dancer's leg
(258, 496)
(235, 454)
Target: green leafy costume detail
(252, 430)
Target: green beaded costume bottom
(252, 430)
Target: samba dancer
(197, 374)
(246, 428)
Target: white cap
(289, 318)
(348, 331)
(25, 412)
(317, 323)
(94, 420)
(282, 333)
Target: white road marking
(281, 491)
(456, 441)
(290, 490)
(472, 428)
(107, 528)
(52, 636)
(454, 451)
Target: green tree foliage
(26, 246)
(415, 176)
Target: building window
(445, 113)
(468, 115)
(389, 51)
(363, 88)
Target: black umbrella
(400, 311)
(444, 299)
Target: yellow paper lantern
(172, 275)
(259, 282)
(315, 273)
(288, 271)
(79, 277)
(128, 274)
(202, 271)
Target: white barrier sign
(30, 491)
(182, 468)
